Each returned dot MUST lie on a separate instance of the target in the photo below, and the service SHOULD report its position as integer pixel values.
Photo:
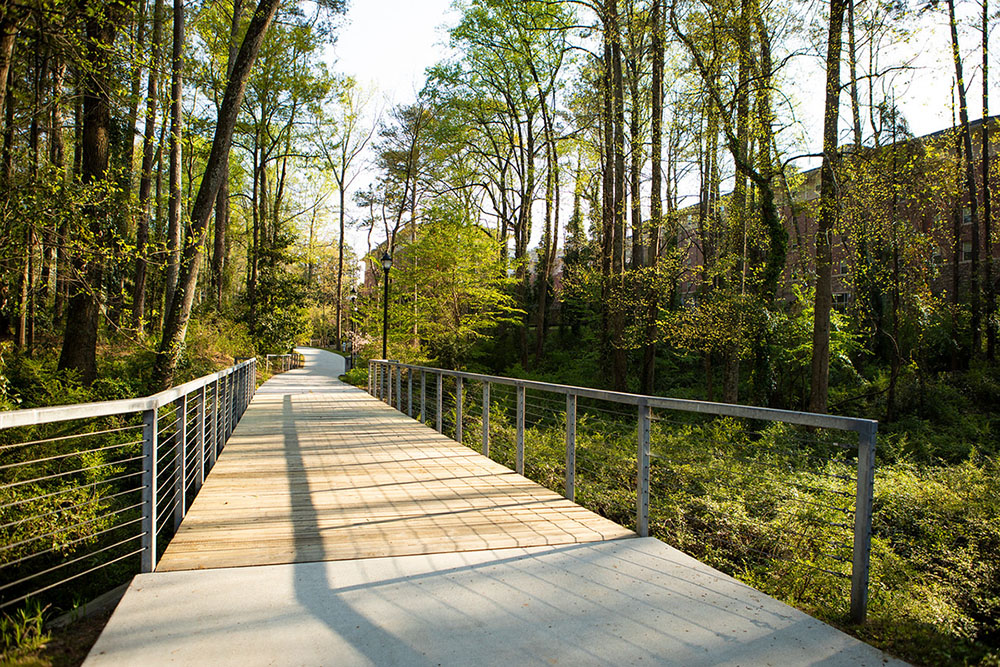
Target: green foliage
(22, 631)
(450, 289)
(357, 377)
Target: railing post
(370, 368)
(409, 391)
(225, 409)
(642, 472)
(399, 388)
(214, 451)
(149, 433)
(439, 418)
(423, 397)
(863, 523)
(458, 410)
(571, 446)
(486, 419)
(180, 465)
(200, 438)
(229, 405)
(519, 445)
(388, 384)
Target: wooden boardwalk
(321, 471)
(335, 530)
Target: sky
(386, 45)
(389, 43)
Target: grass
(67, 646)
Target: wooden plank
(339, 475)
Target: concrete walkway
(579, 599)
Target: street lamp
(386, 265)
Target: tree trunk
(619, 365)
(175, 326)
(970, 184)
(175, 231)
(9, 21)
(219, 253)
(828, 214)
(991, 292)
(655, 204)
(79, 351)
(146, 175)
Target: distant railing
(92, 493)
(279, 363)
(808, 485)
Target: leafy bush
(357, 376)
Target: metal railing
(808, 478)
(279, 363)
(92, 493)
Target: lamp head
(386, 260)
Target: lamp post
(386, 265)
(350, 322)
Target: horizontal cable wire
(36, 554)
(75, 576)
(59, 457)
(60, 510)
(70, 437)
(62, 492)
(70, 472)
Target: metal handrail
(58, 413)
(177, 450)
(381, 385)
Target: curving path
(336, 531)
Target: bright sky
(387, 44)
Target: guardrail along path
(318, 470)
(375, 540)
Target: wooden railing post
(642, 472)
(149, 475)
(486, 419)
(571, 446)
(180, 462)
(458, 409)
(519, 453)
(439, 417)
(863, 523)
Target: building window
(840, 268)
(966, 251)
(966, 216)
(840, 300)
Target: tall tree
(175, 324)
(222, 199)
(968, 158)
(348, 138)
(174, 230)
(828, 215)
(146, 173)
(79, 351)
